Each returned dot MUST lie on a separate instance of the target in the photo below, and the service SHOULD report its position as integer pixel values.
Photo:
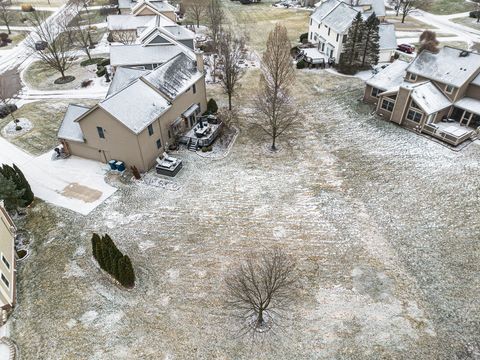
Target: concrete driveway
(74, 183)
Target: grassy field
(40, 76)
(20, 18)
(468, 21)
(446, 7)
(16, 37)
(46, 117)
(88, 17)
(410, 24)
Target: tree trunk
(274, 140)
(365, 50)
(404, 15)
(63, 73)
(260, 320)
(229, 101)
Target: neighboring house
(146, 41)
(437, 94)
(146, 7)
(331, 20)
(388, 42)
(143, 112)
(7, 263)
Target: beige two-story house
(143, 112)
(437, 94)
(7, 262)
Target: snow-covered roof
(469, 104)
(390, 77)
(324, 9)
(447, 66)
(137, 54)
(136, 106)
(126, 4)
(179, 32)
(388, 39)
(123, 77)
(175, 76)
(476, 81)
(428, 97)
(158, 6)
(70, 129)
(378, 6)
(340, 18)
(128, 22)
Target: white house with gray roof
(143, 112)
(331, 20)
(437, 94)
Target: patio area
(203, 133)
(450, 131)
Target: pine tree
(95, 247)
(353, 45)
(371, 41)
(23, 184)
(11, 196)
(128, 273)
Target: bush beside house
(112, 260)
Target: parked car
(40, 45)
(7, 110)
(406, 48)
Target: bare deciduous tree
(215, 19)
(6, 97)
(273, 103)
(124, 37)
(407, 6)
(260, 290)
(5, 14)
(228, 117)
(428, 41)
(196, 9)
(57, 39)
(231, 51)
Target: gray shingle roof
(390, 77)
(324, 9)
(136, 106)
(175, 76)
(388, 39)
(447, 66)
(70, 129)
(134, 55)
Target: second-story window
(329, 31)
(150, 129)
(101, 134)
(5, 261)
(194, 88)
(337, 37)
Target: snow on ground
(74, 183)
(382, 222)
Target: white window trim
(417, 112)
(389, 101)
(451, 86)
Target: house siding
(7, 250)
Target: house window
(449, 89)
(413, 77)
(159, 144)
(329, 31)
(5, 261)
(194, 88)
(311, 21)
(150, 129)
(337, 37)
(414, 116)
(101, 134)
(375, 92)
(387, 105)
(318, 26)
(5, 281)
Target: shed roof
(70, 129)
(388, 39)
(469, 104)
(447, 66)
(136, 106)
(390, 77)
(428, 97)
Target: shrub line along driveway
(76, 184)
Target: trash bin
(112, 164)
(120, 165)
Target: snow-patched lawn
(382, 223)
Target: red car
(406, 48)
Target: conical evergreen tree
(353, 45)
(23, 184)
(11, 196)
(128, 273)
(371, 41)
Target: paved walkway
(74, 183)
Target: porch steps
(193, 144)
